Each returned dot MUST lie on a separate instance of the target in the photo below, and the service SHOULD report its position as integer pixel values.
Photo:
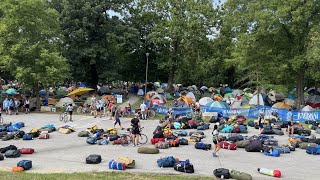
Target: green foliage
(29, 40)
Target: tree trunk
(300, 89)
(38, 102)
(94, 76)
(170, 80)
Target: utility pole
(145, 87)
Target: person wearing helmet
(216, 140)
(135, 124)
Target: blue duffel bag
(313, 150)
(116, 165)
(26, 164)
(274, 153)
(166, 161)
(27, 137)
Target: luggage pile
(234, 174)
(12, 151)
(181, 166)
(11, 131)
(22, 165)
(66, 129)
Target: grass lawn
(94, 175)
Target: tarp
(205, 100)
(64, 101)
(80, 91)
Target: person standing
(110, 108)
(117, 115)
(6, 105)
(70, 109)
(260, 122)
(135, 124)
(290, 123)
(216, 140)
(16, 104)
(27, 105)
(101, 107)
(11, 106)
(143, 109)
(97, 108)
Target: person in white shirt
(143, 109)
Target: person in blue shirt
(290, 122)
(101, 104)
(6, 105)
(11, 106)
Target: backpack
(251, 123)
(177, 125)
(214, 119)
(227, 129)
(304, 145)
(184, 166)
(266, 149)
(44, 136)
(156, 140)
(25, 164)
(91, 140)
(19, 134)
(168, 161)
(113, 137)
(243, 128)
(20, 124)
(240, 175)
(26, 151)
(7, 137)
(11, 147)
(183, 141)
(116, 165)
(162, 145)
(274, 153)
(313, 150)
(282, 150)
(304, 132)
(130, 163)
(158, 134)
(254, 146)
(200, 128)
(222, 173)
(1, 157)
(196, 132)
(174, 142)
(242, 143)
(181, 133)
(270, 142)
(27, 137)
(202, 146)
(83, 134)
(64, 131)
(235, 138)
(278, 132)
(194, 139)
(103, 142)
(93, 159)
(12, 154)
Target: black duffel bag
(222, 173)
(93, 159)
(183, 141)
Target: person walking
(143, 109)
(27, 105)
(260, 122)
(216, 140)
(70, 109)
(290, 123)
(5, 105)
(135, 124)
(117, 115)
(101, 107)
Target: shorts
(135, 131)
(261, 125)
(198, 110)
(98, 109)
(101, 108)
(215, 142)
(289, 124)
(11, 108)
(117, 121)
(27, 106)
(70, 112)
(113, 113)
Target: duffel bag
(304, 132)
(194, 139)
(304, 145)
(196, 132)
(174, 142)
(222, 173)
(64, 131)
(120, 141)
(226, 145)
(227, 129)
(254, 146)
(93, 159)
(7, 137)
(103, 141)
(313, 150)
(20, 124)
(184, 166)
(235, 138)
(44, 136)
(26, 151)
(278, 132)
(236, 130)
(116, 165)
(17, 169)
(3, 134)
(83, 134)
(91, 140)
(169, 136)
(200, 128)
(270, 142)
(266, 149)
(251, 123)
(183, 141)
(48, 130)
(162, 145)
(267, 131)
(282, 150)
(214, 119)
(113, 137)
(12, 154)
(1, 157)
(158, 134)
(11, 147)
(198, 135)
(202, 146)
(177, 125)
(274, 153)
(19, 134)
(148, 150)
(181, 133)
(242, 143)
(130, 163)
(240, 175)
(166, 161)
(27, 137)
(156, 140)
(25, 164)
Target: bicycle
(124, 138)
(150, 113)
(64, 115)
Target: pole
(145, 87)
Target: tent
(205, 100)
(273, 96)
(107, 98)
(105, 90)
(206, 94)
(314, 101)
(247, 90)
(236, 105)
(228, 95)
(52, 101)
(237, 92)
(11, 91)
(186, 99)
(307, 108)
(204, 88)
(140, 92)
(191, 96)
(160, 91)
(64, 101)
(281, 105)
(228, 90)
(218, 104)
(217, 97)
(168, 96)
(254, 100)
(162, 99)
(164, 86)
(62, 91)
(290, 102)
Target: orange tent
(107, 98)
(217, 98)
(52, 101)
(186, 99)
(281, 105)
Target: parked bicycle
(127, 138)
(64, 114)
(150, 113)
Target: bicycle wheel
(65, 116)
(125, 140)
(143, 139)
(151, 113)
(61, 117)
(79, 110)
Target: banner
(300, 116)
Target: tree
(273, 35)
(29, 41)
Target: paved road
(67, 153)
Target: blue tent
(228, 90)
(218, 104)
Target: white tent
(315, 99)
(254, 100)
(205, 100)
(236, 105)
(64, 101)
(140, 92)
(290, 102)
(307, 108)
(237, 92)
(192, 96)
(161, 98)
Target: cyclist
(70, 110)
(135, 123)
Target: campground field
(66, 153)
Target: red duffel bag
(156, 140)
(26, 151)
(226, 145)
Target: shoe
(138, 145)
(122, 128)
(134, 145)
(214, 155)
(71, 120)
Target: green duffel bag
(7, 137)
(304, 145)
(148, 150)
(243, 143)
(240, 175)
(83, 134)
